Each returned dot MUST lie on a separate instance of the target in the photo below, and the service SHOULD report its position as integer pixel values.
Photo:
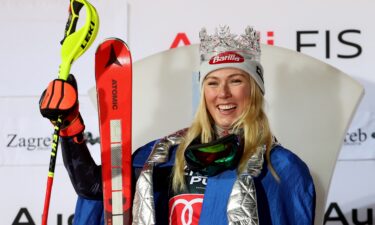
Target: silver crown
(222, 40)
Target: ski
(113, 74)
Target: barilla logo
(226, 57)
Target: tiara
(222, 40)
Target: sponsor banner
(22, 195)
(351, 196)
(360, 137)
(26, 136)
(30, 46)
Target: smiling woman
(228, 140)
(226, 168)
(227, 95)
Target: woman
(214, 171)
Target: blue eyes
(236, 81)
(216, 83)
(212, 83)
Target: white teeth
(226, 107)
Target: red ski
(113, 73)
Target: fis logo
(345, 39)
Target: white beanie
(225, 50)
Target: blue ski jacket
(291, 201)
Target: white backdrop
(340, 33)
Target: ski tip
(112, 40)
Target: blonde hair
(253, 121)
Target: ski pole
(74, 44)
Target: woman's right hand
(61, 99)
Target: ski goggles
(210, 159)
